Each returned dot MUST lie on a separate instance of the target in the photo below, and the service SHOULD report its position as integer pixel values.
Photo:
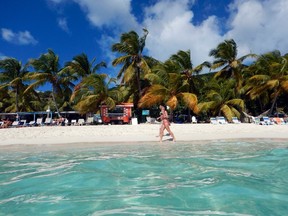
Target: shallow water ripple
(242, 178)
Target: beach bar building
(121, 114)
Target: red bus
(121, 114)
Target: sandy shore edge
(105, 134)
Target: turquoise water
(215, 178)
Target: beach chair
(90, 120)
(235, 120)
(148, 119)
(221, 120)
(39, 122)
(15, 123)
(22, 123)
(265, 121)
(48, 121)
(213, 120)
(31, 123)
(73, 122)
(276, 120)
(279, 121)
(81, 122)
(66, 121)
(256, 120)
(282, 121)
(194, 120)
(268, 120)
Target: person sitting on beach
(165, 124)
(60, 121)
(6, 123)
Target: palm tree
(28, 102)
(82, 66)
(226, 59)
(47, 70)
(132, 61)
(189, 73)
(168, 87)
(12, 76)
(94, 91)
(271, 77)
(220, 100)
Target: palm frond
(284, 85)
(121, 60)
(129, 74)
(205, 106)
(172, 102)
(236, 102)
(144, 66)
(191, 101)
(272, 83)
(153, 78)
(154, 95)
(227, 112)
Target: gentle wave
(162, 211)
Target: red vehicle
(121, 114)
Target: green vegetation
(230, 88)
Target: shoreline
(142, 133)
(78, 146)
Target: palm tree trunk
(239, 79)
(17, 99)
(189, 116)
(138, 110)
(54, 100)
(138, 81)
(260, 104)
(171, 118)
(192, 89)
(273, 104)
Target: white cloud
(171, 29)
(109, 13)
(259, 26)
(62, 22)
(20, 38)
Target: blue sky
(70, 27)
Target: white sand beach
(137, 133)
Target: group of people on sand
(165, 123)
(59, 121)
(5, 123)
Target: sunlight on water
(215, 178)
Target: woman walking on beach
(165, 124)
